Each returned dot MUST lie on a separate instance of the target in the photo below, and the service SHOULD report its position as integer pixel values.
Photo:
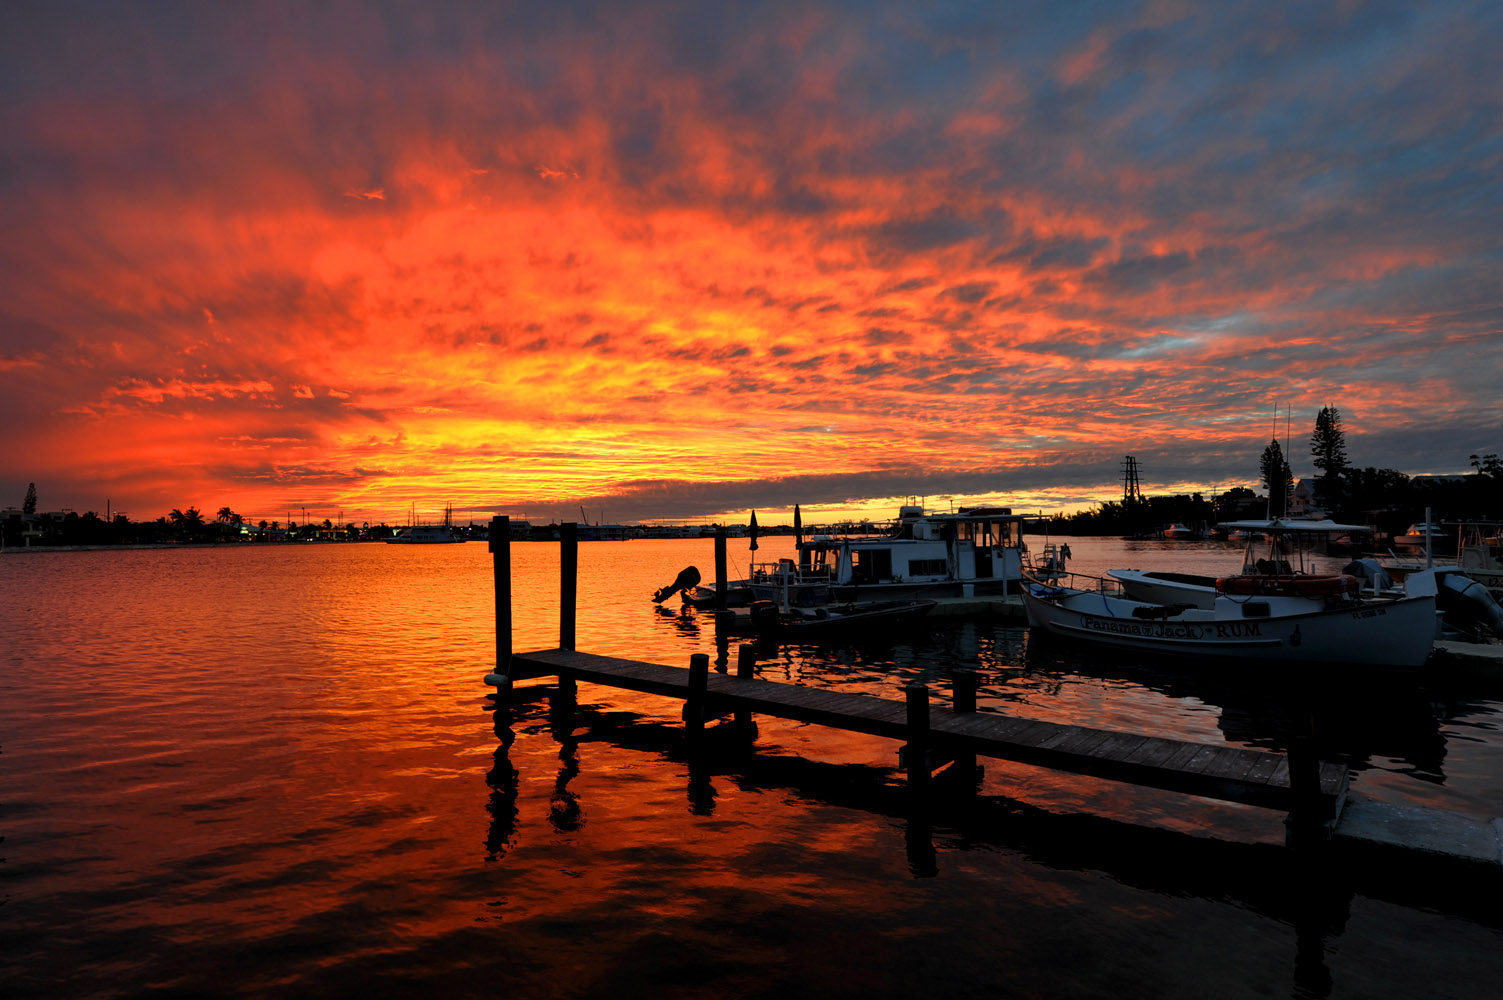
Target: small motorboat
(766, 619)
(425, 534)
(1423, 536)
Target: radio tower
(1131, 491)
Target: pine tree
(1328, 454)
(29, 506)
(1276, 477)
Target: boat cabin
(970, 550)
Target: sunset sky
(675, 261)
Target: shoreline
(169, 545)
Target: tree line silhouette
(1385, 499)
(184, 526)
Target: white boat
(1286, 556)
(1421, 535)
(424, 534)
(1479, 552)
(922, 554)
(1337, 627)
(782, 582)
(1179, 531)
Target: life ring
(1290, 585)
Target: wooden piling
(694, 703)
(916, 753)
(963, 696)
(1309, 821)
(746, 668)
(568, 561)
(1311, 818)
(963, 683)
(720, 574)
(499, 542)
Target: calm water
(274, 771)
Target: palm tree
(188, 522)
(224, 516)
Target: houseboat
(922, 554)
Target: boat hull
(921, 590)
(1397, 634)
(848, 623)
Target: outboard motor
(1370, 572)
(687, 577)
(1464, 600)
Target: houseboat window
(870, 565)
(927, 567)
(1255, 609)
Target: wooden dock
(1235, 774)
(1313, 792)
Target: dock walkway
(1236, 774)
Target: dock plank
(1121, 746)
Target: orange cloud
(849, 260)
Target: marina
(858, 412)
(347, 804)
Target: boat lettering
(1239, 630)
(1147, 630)
(1370, 613)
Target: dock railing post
(499, 542)
(746, 667)
(694, 704)
(916, 753)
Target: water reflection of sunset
(674, 266)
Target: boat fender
(1312, 585)
(763, 613)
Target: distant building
(19, 527)
(1302, 500)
